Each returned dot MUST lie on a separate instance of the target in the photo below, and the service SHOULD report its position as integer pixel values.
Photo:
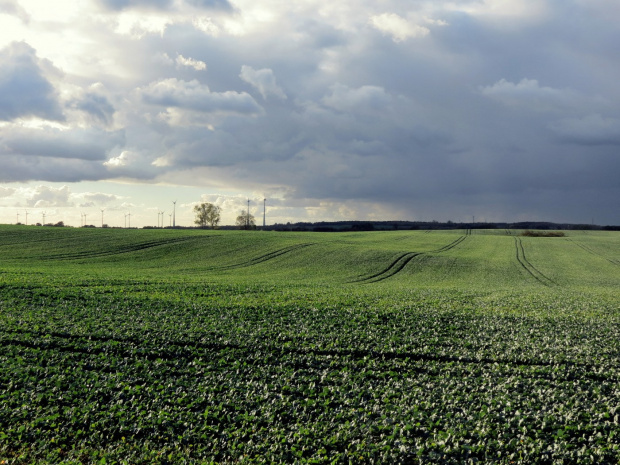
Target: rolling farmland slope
(157, 346)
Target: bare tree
(246, 220)
(207, 214)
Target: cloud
(118, 5)
(398, 27)
(211, 4)
(363, 99)
(93, 199)
(126, 4)
(11, 7)
(83, 144)
(427, 109)
(191, 63)
(25, 91)
(194, 96)
(121, 160)
(6, 191)
(589, 130)
(46, 196)
(263, 80)
(96, 106)
(530, 94)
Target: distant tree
(207, 214)
(246, 220)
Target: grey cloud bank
(433, 110)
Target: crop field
(200, 346)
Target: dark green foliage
(531, 233)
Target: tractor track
(452, 244)
(121, 250)
(527, 266)
(399, 263)
(596, 254)
(265, 257)
(396, 266)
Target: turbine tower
(26, 217)
(102, 217)
(174, 216)
(264, 211)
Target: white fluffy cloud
(263, 80)
(398, 27)
(46, 196)
(191, 63)
(192, 95)
(6, 191)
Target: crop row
(127, 374)
(235, 403)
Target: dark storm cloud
(24, 89)
(83, 144)
(588, 131)
(439, 109)
(18, 168)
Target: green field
(165, 346)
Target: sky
(461, 110)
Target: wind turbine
(129, 216)
(170, 215)
(174, 216)
(43, 213)
(26, 217)
(17, 217)
(264, 211)
(102, 217)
